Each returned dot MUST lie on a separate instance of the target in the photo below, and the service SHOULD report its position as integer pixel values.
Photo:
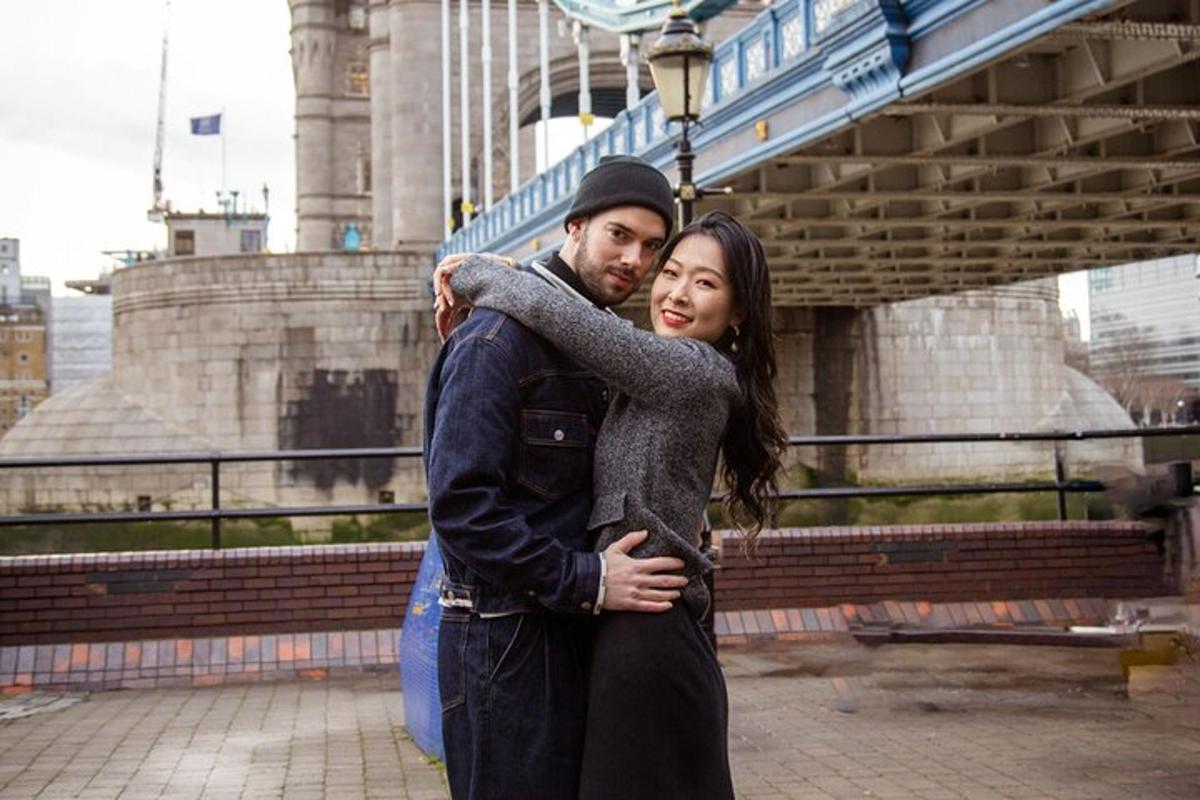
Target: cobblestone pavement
(808, 721)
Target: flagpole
(221, 123)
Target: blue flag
(206, 126)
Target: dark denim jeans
(514, 704)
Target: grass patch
(406, 527)
(123, 536)
(1004, 507)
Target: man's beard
(592, 275)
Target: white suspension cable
(464, 90)
(447, 129)
(630, 55)
(544, 74)
(486, 57)
(582, 41)
(514, 145)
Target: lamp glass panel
(667, 73)
(697, 85)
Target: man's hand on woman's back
(640, 584)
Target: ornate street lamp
(679, 63)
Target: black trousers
(658, 712)
(514, 695)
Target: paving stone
(1001, 723)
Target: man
(510, 428)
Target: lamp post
(679, 63)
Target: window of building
(185, 243)
(23, 358)
(359, 82)
(251, 240)
(23, 336)
(364, 175)
(23, 406)
(1101, 279)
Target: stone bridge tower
(369, 109)
(333, 132)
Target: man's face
(613, 250)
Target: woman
(698, 386)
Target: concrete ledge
(317, 655)
(194, 662)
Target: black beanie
(623, 181)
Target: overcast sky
(78, 103)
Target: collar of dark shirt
(564, 272)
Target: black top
(563, 271)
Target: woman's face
(692, 294)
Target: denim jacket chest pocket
(555, 458)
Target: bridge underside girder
(1081, 150)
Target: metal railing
(215, 514)
(1060, 485)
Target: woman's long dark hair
(754, 439)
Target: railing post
(1060, 482)
(215, 471)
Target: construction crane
(160, 206)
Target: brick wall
(939, 563)
(199, 593)
(191, 594)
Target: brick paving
(809, 720)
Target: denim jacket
(510, 431)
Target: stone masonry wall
(974, 362)
(245, 353)
(283, 352)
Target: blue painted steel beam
(636, 16)
(787, 56)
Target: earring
(736, 333)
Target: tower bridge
(913, 166)
(890, 150)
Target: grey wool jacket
(656, 452)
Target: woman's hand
(449, 308)
(446, 314)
